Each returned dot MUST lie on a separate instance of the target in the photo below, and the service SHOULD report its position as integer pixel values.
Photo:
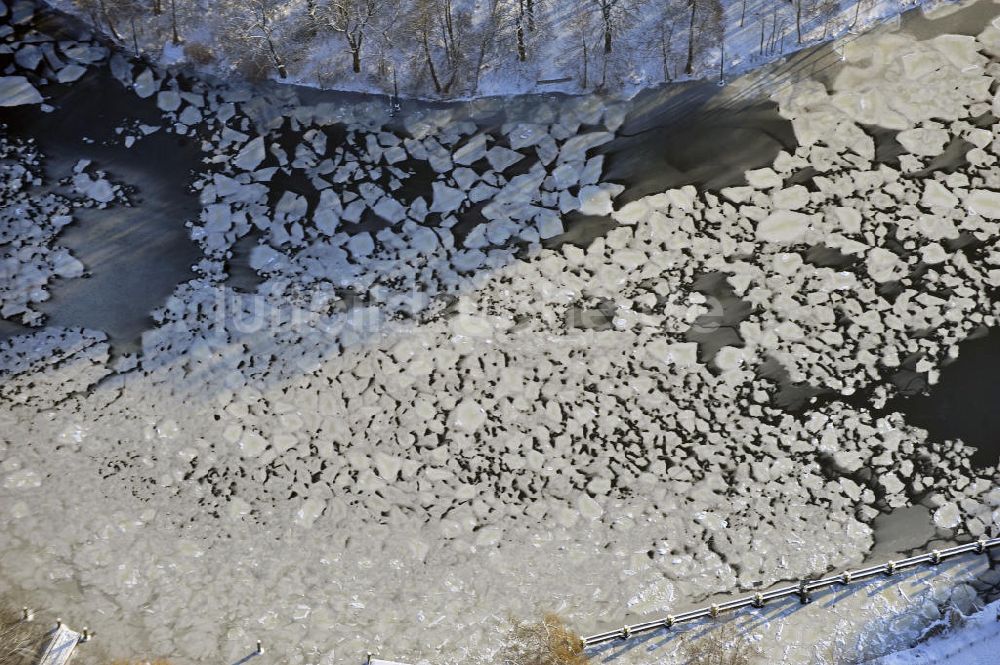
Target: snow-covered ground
(478, 54)
(972, 640)
(427, 412)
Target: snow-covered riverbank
(461, 49)
(971, 640)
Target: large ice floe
(429, 413)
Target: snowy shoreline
(743, 51)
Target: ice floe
(17, 91)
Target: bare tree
(827, 12)
(519, 29)
(583, 30)
(857, 9)
(490, 27)
(100, 11)
(822, 10)
(763, 21)
(612, 14)
(705, 28)
(355, 20)
(173, 22)
(252, 23)
(438, 29)
(693, 5)
(520, 20)
(672, 12)
(132, 11)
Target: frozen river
(277, 364)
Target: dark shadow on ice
(670, 140)
(611, 651)
(247, 658)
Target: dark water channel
(134, 256)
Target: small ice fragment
(791, 198)
(252, 154)
(501, 158)
(446, 199)
(549, 224)
(310, 509)
(947, 516)
(17, 91)
(468, 415)
(595, 200)
(984, 202)
(361, 245)
(70, 73)
(390, 210)
(252, 444)
(923, 141)
(589, 509)
(168, 100)
(764, 178)
(882, 264)
(471, 152)
(145, 84)
(783, 226)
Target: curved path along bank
(420, 411)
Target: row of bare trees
(446, 46)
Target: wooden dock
(60, 647)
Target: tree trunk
(135, 40)
(282, 72)
(761, 19)
(157, 7)
(450, 25)
(607, 30)
(722, 61)
(857, 12)
(531, 15)
(666, 42)
(107, 19)
(743, 13)
(173, 21)
(774, 31)
(355, 44)
(430, 63)
(798, 19)
(689, 67)
(585, 64)
(522, 51)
